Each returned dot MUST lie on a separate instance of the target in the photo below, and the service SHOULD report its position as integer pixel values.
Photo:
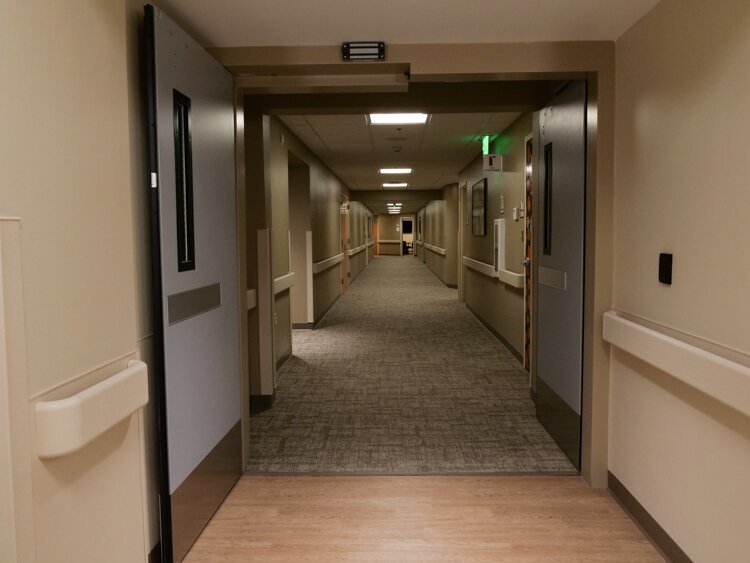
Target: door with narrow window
(196, 320)
(559, 226)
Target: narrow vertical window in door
(547, 234)
(184, 183)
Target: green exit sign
(486, 145)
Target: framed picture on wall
(478, 208)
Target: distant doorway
(407, 236)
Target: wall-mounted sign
(493, 163)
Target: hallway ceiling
(436, 151)
(237, 23)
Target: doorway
(407, 236)
(345, 246)
(559, 249)
(463, 221)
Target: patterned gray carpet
(399, 378)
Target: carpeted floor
(399, 378)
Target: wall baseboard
(303, 326)
(496, 334)
(648, 525)
(283, 359)
(322, 316)
(260, 403)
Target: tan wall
(440, 229)
(326, 192)
(498, 304)
(682, 118)
(387, 230)
(358, 216)
(282, 326)
(299, 224)
(67, 153)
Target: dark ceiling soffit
(451, 97)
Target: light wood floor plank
(425, 518)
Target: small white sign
(493, 163)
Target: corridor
(399, 378)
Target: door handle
(526, 262)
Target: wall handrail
(435, 249)
(283, 283)
(357, 250)
(386, 241)
(66, 425)
(512, 279)
(326, 264)
(720, 378)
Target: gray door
(560, 152)
(192, 186)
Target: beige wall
(299, 226)
(358, 217)
(682, 118)
(498, 304)
(389, 229)
(326, 193)
(440, 229)
(269, 145)
(67, 158)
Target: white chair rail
(720, 378)
(506, 276)
(324, 265)
(435, 249)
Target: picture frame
(479, 208)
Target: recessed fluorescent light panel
(395, 170)
(394, 208)
(395, 184)
(398, 118)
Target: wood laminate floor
(422, 518)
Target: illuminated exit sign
(486, 145)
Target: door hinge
(154, 180)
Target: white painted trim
(381, 241)
(283, 283)
(309, 276)
(357, 250)
(435, 249)
(266, 353)
(506, 276)
(720, 378)
(324, 265)
(420, 243)
(369, 244)
(252, 299)
(67, 425)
